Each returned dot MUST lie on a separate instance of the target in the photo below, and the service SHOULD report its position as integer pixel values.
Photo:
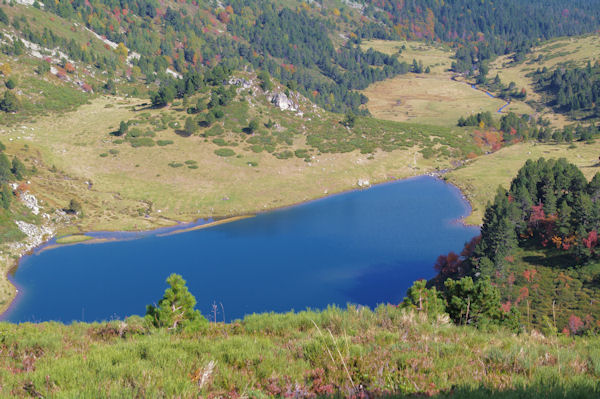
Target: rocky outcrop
(243, 83)
(283, 102)
(30, 202)
(36, 236)
(363, 183)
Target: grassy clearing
(480, 178)
(73, 239)
(434, 98)
(436, 56)
(431, 99)
(384, 351)
(575, 50)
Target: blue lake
(363, 247)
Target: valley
(365, 198)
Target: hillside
(141, 114)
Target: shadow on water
(385, 282)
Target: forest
(482, 30)
(572, 90)
(539, 246)
(295, 44)
(517, 128)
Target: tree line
(481, 30)
(550, 208)
(572, 89)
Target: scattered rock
(30, 202)
(246, 84)
(36, 235)
(363, 183)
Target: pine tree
(190, 126)
(5, 169)
(473, 302)
(420, 298)
(176, 308)
(6, 196)
(10, 102)
(18, 169)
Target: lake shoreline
(178, 227)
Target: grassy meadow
(387, 351)
(479, 178)
(436, 56)
(576, 51)
(118, 183)
(433, 98)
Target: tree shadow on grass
(182, 133)
(387, 282)
(552, 261)
(144, 107)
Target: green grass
(73, 239)
(386, 351)
(437, 56)
(433, 99)
(225, 152)
(480, 178)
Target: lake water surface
(363, 247)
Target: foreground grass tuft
(385, 352)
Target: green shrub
(216, 130)
(163, 143)
(301, 153)
(225, 152)
(284, 154)
(142, 142)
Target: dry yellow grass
(431, 99)
(577, 50)
(480, 178)
(137, 181)
(437, 57)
